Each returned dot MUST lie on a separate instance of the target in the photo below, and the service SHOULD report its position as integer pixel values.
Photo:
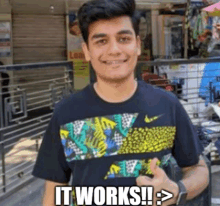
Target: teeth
(115, 62)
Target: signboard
(75, 53)
(5, 39)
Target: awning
(213, 10)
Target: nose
(114, 49)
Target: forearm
(49, 193)
(196, 179)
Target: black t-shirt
(103, 143)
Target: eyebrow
(125, 32)
(100, 35)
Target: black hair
(95, 10)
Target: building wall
(7, 60)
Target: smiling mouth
(115, 62)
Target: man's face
(113, 48)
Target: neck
(116, 92)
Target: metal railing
(28, 94)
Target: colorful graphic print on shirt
(112, 135)
(134, 168)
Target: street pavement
(31, 195)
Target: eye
(124, 39)
(101, 42)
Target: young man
(114, 132)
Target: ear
(138, 45)
(86, 51)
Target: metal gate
(26, 106)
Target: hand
(159, 182)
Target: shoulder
(70, 107)
(157, 94)
(73, 98)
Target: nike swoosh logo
(149, 120)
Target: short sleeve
(51, 163)
(187, 146)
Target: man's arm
(195, 178)
(49, 193)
